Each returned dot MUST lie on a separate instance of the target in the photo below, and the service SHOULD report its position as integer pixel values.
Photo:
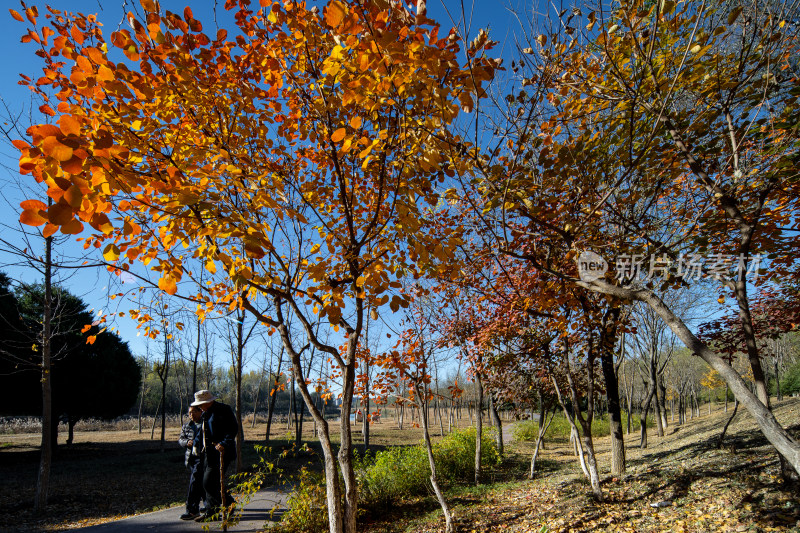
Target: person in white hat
(217, 436)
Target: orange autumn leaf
(111, 252)
(69, 125)
(168, 285)
(73, 196)
(49, 230)
(73, 227)
(52, 147)
(33, 204)
(32, 217)
(335, 13)
(59, 214)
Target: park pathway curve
(256, 513)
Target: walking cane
(224, 510)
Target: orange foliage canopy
(294, 159)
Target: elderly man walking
(218, 436)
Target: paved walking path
(256, 513)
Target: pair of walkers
(209, 439)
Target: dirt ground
(106, 475)
(681, 483)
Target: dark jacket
(190, 431)
(221, 428)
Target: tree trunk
(365, 423)
(629, 403)
(478, 429)
(290, 416)
(46, 457)
(448, 518)
(451, 416)
(298, 424)
(333, 493)
(750, 342)
(273, 395)
(726, 397)
(591, 461)
(657, 411)
(240, 342)
(163, 374)
(643, 417)
(544, 423)
(141, 396)
(71, 421)
(775, 433)
(662, 399)
(614, 413)
(346, 447)
(497, 423)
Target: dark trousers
(211, 483)
(196, 491)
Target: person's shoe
(189, 516)
(205, 517)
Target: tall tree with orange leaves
(660, 139)
(293, 161)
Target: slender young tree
(293, 163)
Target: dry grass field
(107, 474)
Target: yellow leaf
(338, 135)
(355, 123)
(211, 267)
(111, 252)
(168, 285)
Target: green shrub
(528, 430)
(391, 475)
(308, 509)
(790, 381)
(403, 472)
(525, 431)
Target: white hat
(201, 397)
